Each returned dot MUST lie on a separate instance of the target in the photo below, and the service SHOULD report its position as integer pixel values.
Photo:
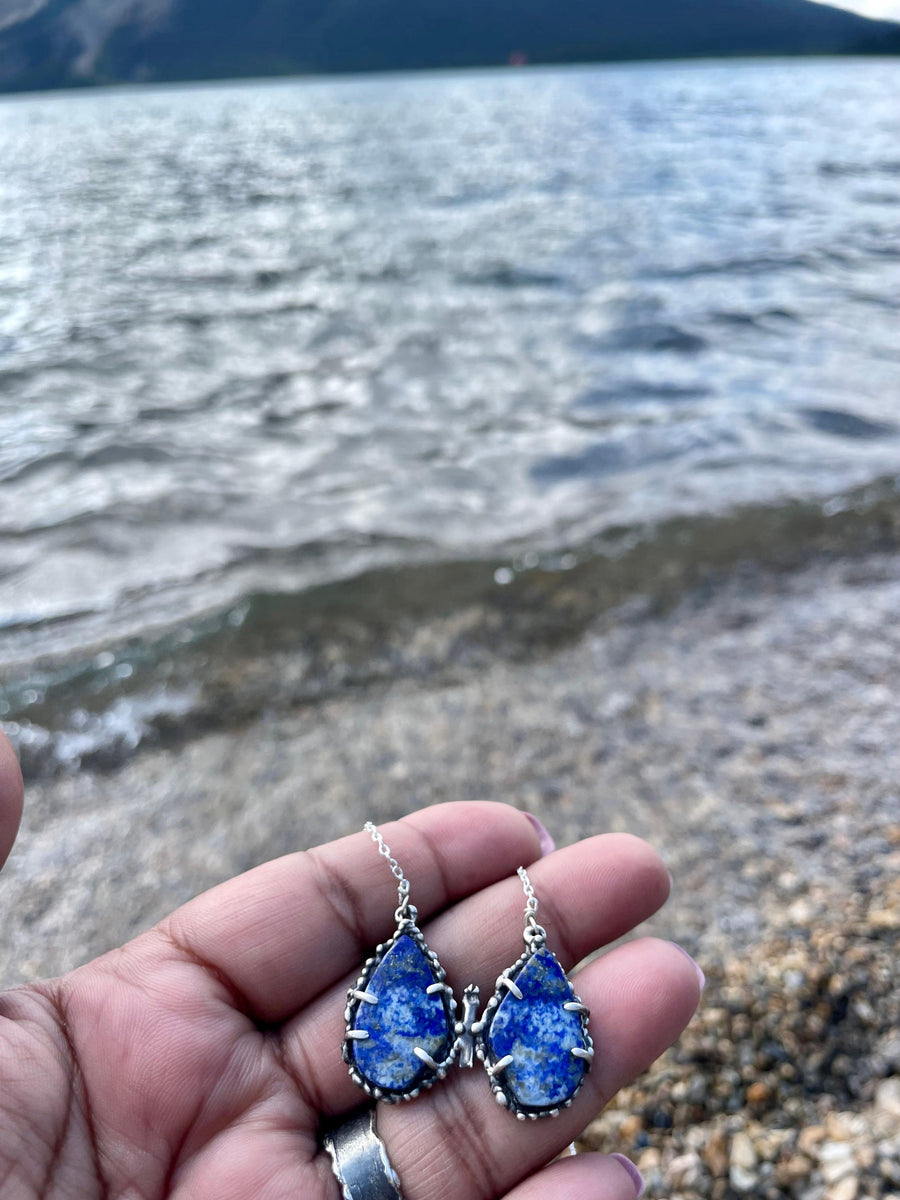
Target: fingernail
(701, 978)
(547, 843)
(636, 1177)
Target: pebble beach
(750, 731)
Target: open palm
(203, 1061)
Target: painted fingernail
(701, 978)
(633, 1173)
(547, 843)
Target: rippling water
(256, 339)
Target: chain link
(534, 933)
(403, 905)
(531, 904)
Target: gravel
(751, 732)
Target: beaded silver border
(409, 928)
(503, 1095)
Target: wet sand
(752, 733)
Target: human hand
(201, 1060)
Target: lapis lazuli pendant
(400, 1018)
(402, 1034)
(533, 1038)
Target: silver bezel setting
(503, 1095)
(406, 927)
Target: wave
(888, 167)
(644, 336)
(845, 424)
(754, 264)
(507, 275)
(767, 319)
(634, 390)
(276, 651)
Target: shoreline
(751, 732)
(270, 652)
(757, 717)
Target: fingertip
(677, 981)
(590, 1176)
(618, 857)
(11, 797)
(634, 1175)
(698, 970)
(490, 827)
(688, 981)
(646, 862)
(641, 995)
(545, 840)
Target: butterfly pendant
(403, 1035)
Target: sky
(872, 8)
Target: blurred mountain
(59, 43)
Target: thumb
(10, 797)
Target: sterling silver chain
(404, 908)
(405, 911)
(533, 931)
(531, 904)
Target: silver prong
(580, 1052)
(358, 1035)
(500, 1065)
(436, 987)
(425, 1057)
(575, 1006)
(367, 997)
(513, 987)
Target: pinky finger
(583, 1177)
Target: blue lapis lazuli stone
(540, 1035)
(404, 1017)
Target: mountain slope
(54, 43)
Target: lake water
(274, 352)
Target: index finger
(285, 931)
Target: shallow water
(256, 339)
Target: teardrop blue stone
(539, 1034)
(404, 1017)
